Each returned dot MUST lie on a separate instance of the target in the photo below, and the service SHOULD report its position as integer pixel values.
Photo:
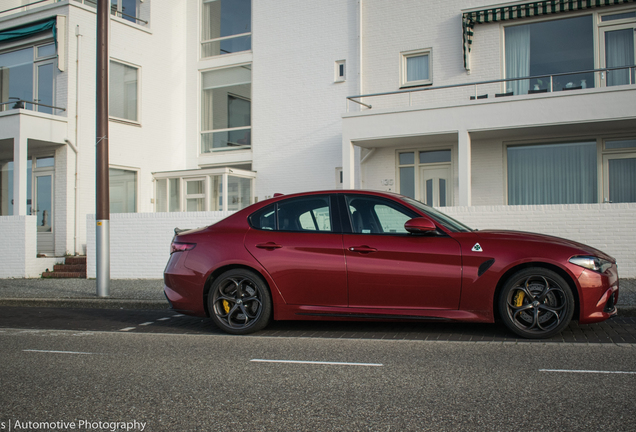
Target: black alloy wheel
(536, 303)
(239, 302)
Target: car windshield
(438, 216)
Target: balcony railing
(501, 88)
(30, 105)
(91, 3)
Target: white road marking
(127, 329)
(163, 319)
(146, 323)
(177, 316)
(587, 371)
(57, 352)
(316, 362)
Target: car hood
(521, 236)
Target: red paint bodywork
(317, 275)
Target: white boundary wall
(18, 256)
(140, 242)
(608, 227)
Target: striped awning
(523, 10)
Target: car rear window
(312, 213)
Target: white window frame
(219, 39)
(137, 185)
(404, 56)
(207, 176)
(203, 195)
(125, 120)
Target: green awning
(27, 30)
(521, 11)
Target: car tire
(536, 303)
(240, 302)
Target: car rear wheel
(536, 303)
(239, 302)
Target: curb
(626, 311)
(86, 303)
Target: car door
(389, 268)
(299, 245)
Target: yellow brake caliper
(226, 306)
(518, 298)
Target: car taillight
(181, 247)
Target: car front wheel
(239, 302)
(536, 303)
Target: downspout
(73, 147)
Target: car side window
(296, 214)
(370, 215)
(265, 218)
(305, 214)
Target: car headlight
(591, 262)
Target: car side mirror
(419, 225)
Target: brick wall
(18, 259)
(140, 242)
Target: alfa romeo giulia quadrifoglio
(363, 255)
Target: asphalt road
(181, 374)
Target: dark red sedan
(361, 255)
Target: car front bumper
(598, 295)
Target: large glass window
(226, 27)
(26, 76)
(122, 91)
(550, 47)
(226, 109)
(553, 174)
(123, 191)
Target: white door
(435, 185)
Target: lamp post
(102, 216)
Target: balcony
(19, 104)
(511, 89)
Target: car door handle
(268, 245)
(362, 249)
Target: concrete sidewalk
(148, 294)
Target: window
(195, 195)
(618, 37)
(428, 179)
(226, 27)
(126, 9)
(28, 75)
(552, 174)
(123, 190)
(549, 47)
(122, 92)
(619, 171)
(340, 71)
(297, 214)
(226, 109)
(370, 215)
(416, 68)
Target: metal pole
(102, 217)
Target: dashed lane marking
(146, 323)
(57, 352)
(316, 362)
(163, 319)
(127, 329)
(587, 371)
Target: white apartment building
(509, 113)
